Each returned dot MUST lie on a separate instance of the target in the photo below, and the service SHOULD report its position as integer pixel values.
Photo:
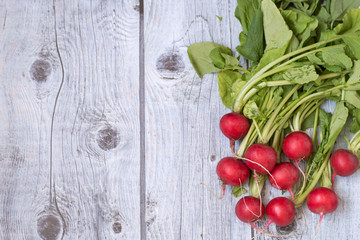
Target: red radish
(234, 126)
(321, 201)
(232, 172)
(284, 177)
(250, 209)
(344, 163)
(298, 146)
(261, 158)
(280, 211)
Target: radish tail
(258, 216)
(268, 223)
(254, 226)
(267, 171)
(292, 194)
(232, 146)
(212, 192)
(318, 228)
(333, 185)
(302, 172)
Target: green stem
(301, 198)
(275, 113)
(305, 54)
(315, 127)
(258, 131)
(262, 73)
(254, 189)
(261, 85)
(283, 118)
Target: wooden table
(107, 132)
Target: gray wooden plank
(183, 141)
(29, 78)
(77, 178)
(96, 129)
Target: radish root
(292, 194)
(213, 193)
(333, 185)
(232, 146)
(318, 227)
(266, 233)
(245, 159)
(304, 176)
(251, 210)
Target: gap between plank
(142, 121)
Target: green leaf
(227, 81)
(277, 33)
(217, 58)
(351, 22)
(337, 57)
(353, 42)
(324, 118)
(337, 123)
(355, 124)
(238, 191)
(199, 55)
(353, 98)
(339, 7)
(253, 48)
(354, 81)
(230, 61)
(220, 18)
(301, 75)
(315, 59)
(278, 95)
(301, 24)
(308, 122)
(252, 111)
(324, 16)
(245, 12)
(355, 77)
(308, 6)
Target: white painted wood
(96, 134)
(90, 189)
(29, 79)
(183, 141)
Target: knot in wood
(107, 138)
(117, 227)
(40, 70)
(287, 229)
(48, 227)
(170, 65)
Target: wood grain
(69, 115)
(73, 124)
(30, 75)
(96, 133)
(183, 141)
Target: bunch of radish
(291, 71)
(261, 159)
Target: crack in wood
(52, 187)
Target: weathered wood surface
(107, 132)
(70, 155)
